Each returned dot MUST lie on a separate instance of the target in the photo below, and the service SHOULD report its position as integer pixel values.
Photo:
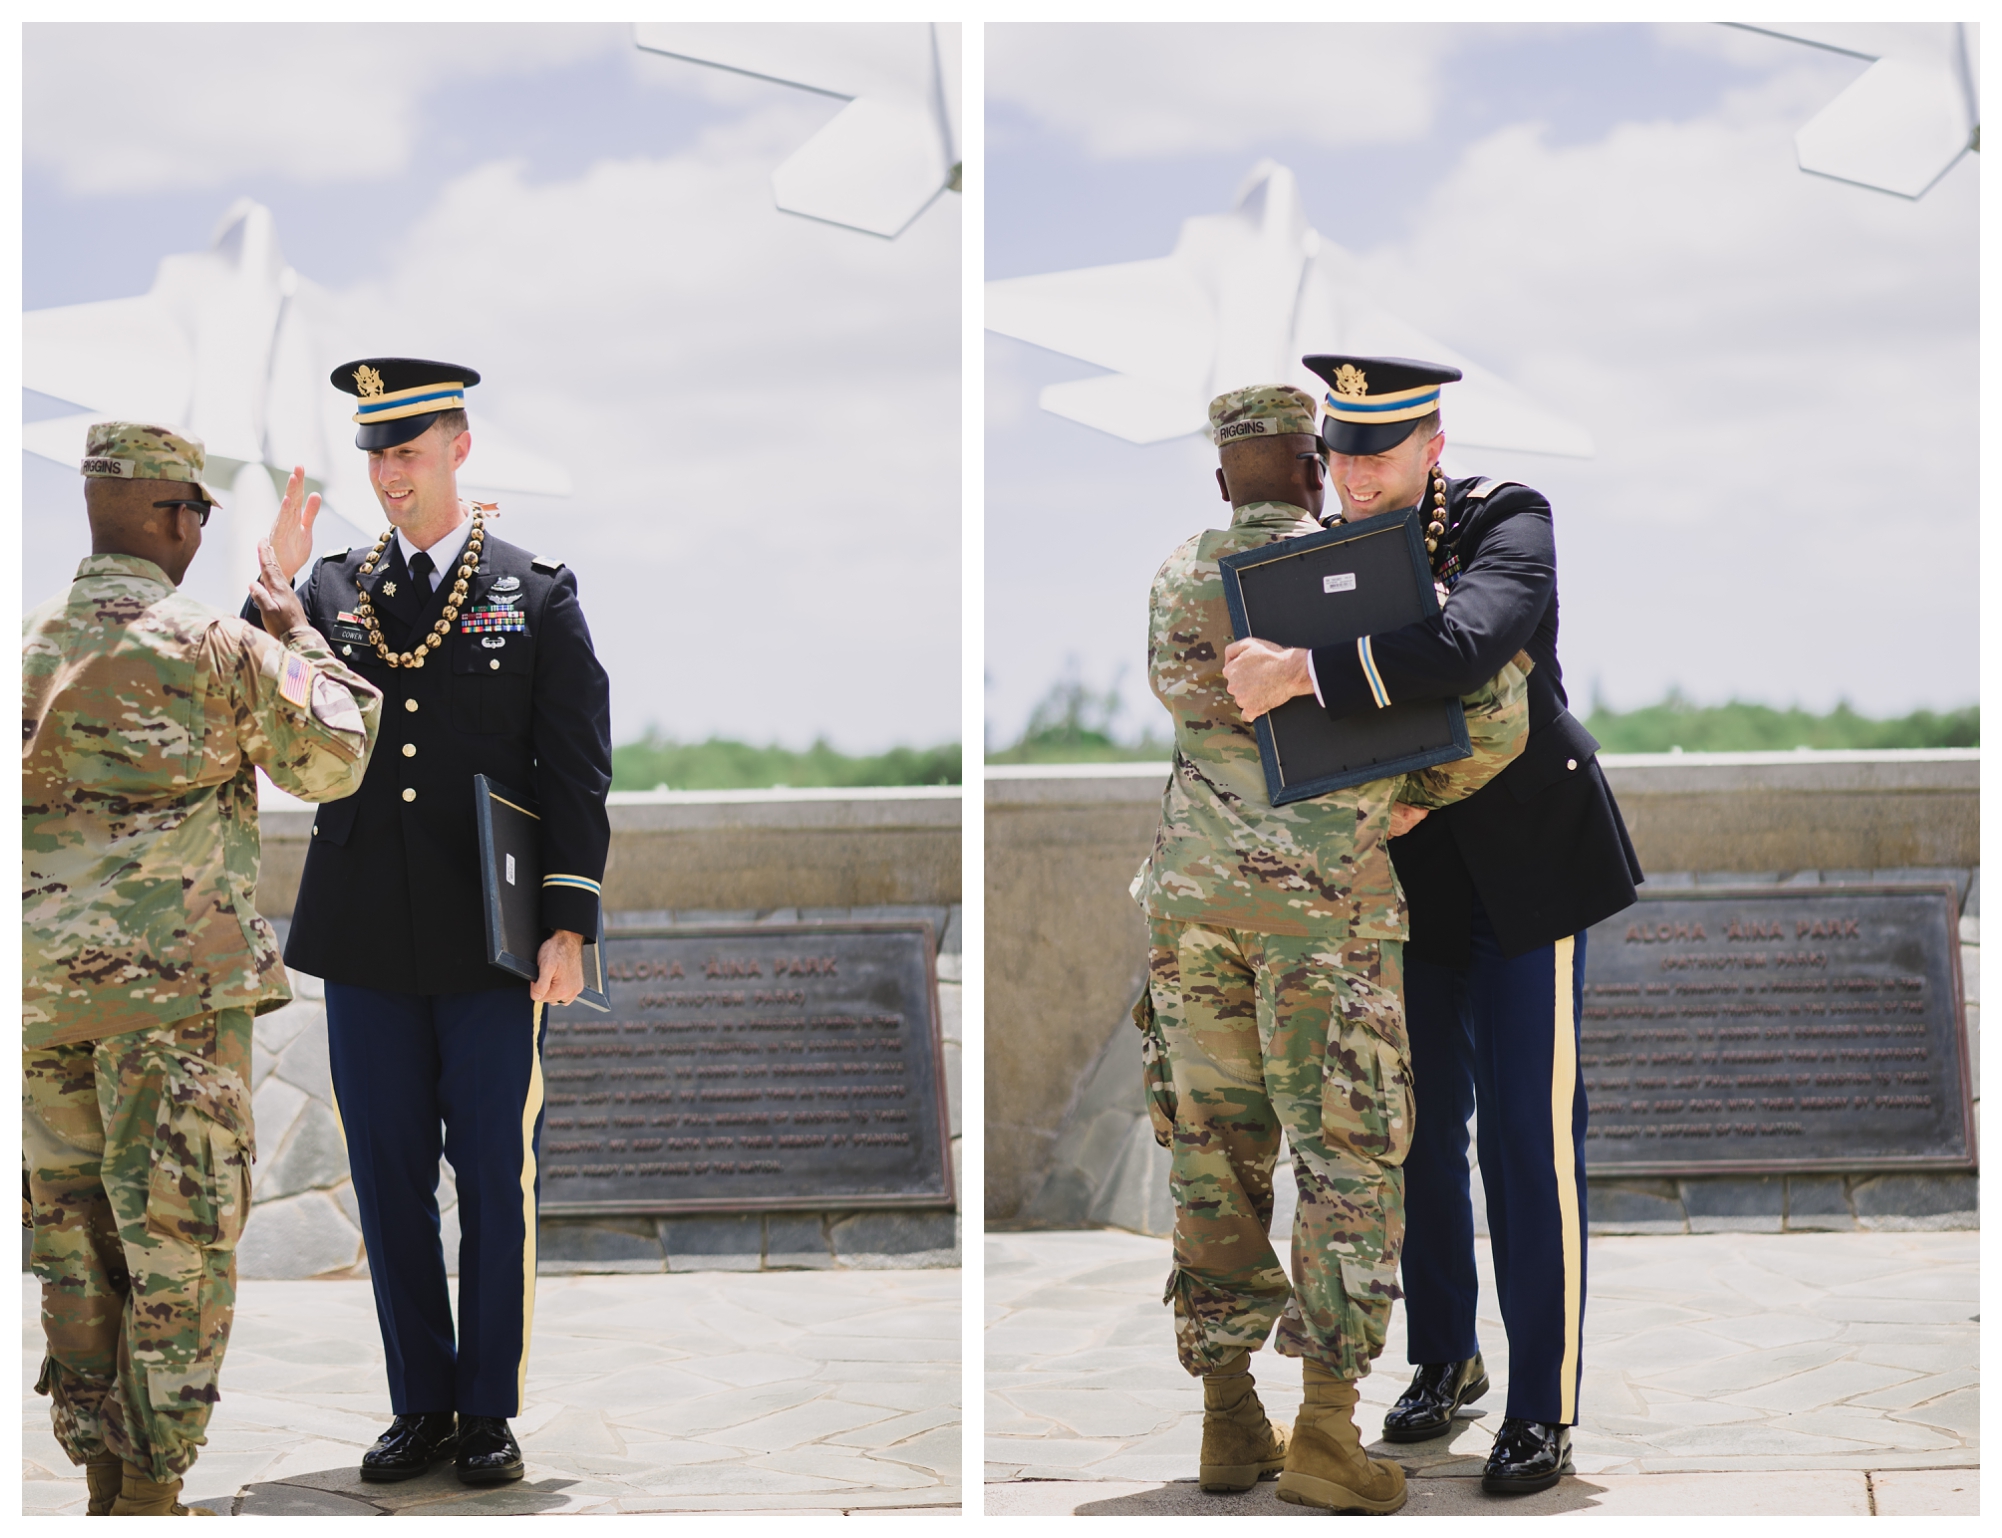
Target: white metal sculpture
(888, 153)
(1907, 119)
(233, 345)
(1238, 301)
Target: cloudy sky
(1779, 370)
(760, 414)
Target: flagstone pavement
(1723, 1373)
(807, 1391)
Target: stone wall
(1068, 1143)
(683, 857)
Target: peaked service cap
(398, 398)
(1373, 403)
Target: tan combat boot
(1325, 1466)
(105, 1475)
(1240, 1446)
(139, 1496)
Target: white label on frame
(1339, 582)
(510, 870)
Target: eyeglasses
(199, 509)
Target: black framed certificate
(1327, 589)
(511, 887)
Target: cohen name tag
(1339, 582)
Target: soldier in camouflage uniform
(144, 718)
(1275, 1005)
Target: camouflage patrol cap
(1260, 411)
(139, 451)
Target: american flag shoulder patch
(295, 679)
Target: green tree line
(1072, 725)
(721, 764)
(1744, 728)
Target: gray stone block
(304, 1063)
(274, 1107)
(275, 1032)
(949, 1015)
(1918, 1203)
(713, 1244)
(1818, 1202)
(311, 1157)
(1970, 906)
(1741, 1204)
(1135, 1194)
(950, 1057)
(300, 1236)
(448, 1237)
(345, 1199)
(1635, 1207)
(567, 1246)
(797, 1242)
(894, 1241)
(949, 942)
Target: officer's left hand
(1262, 677)
(561, 962)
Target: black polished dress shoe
(412, 1445)
(1528, 1455)
(487, 1451)
(1437, 1391)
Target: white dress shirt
(444, 555)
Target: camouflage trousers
(1262, 1035)
(138, 1150)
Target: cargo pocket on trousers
(197, 1200)
(1370, 1291)
(1157, 1080)
(203, 1145)
(1367, 1107)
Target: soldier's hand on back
(292, 531)
(1404, 818)
(279, 605)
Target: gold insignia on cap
(1349, 381)
(369, 382)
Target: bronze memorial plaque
(756, 1067)
(1769, 1029)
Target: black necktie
(421, 567)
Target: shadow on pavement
(1428, 1497)
(344, 1493)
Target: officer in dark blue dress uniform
(486, 667)
(1501, 887)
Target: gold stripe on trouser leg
(530, 1109)
(1564, 1153)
